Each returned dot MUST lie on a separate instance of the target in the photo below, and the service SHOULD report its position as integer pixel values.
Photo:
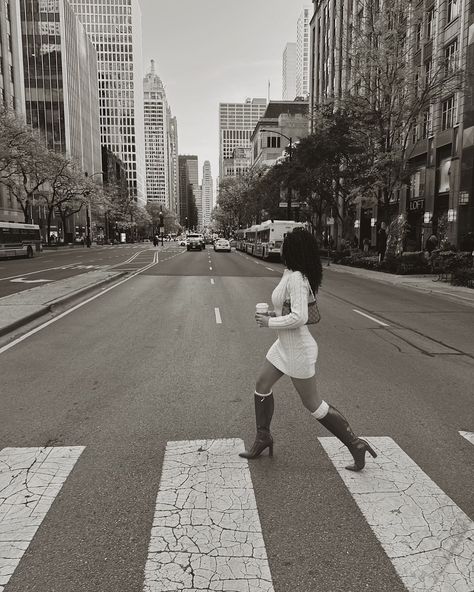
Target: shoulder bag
(314, 316)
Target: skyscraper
(289, 72)
(207, 193)
(61, 90)
(236, 124)
(115, 30)
(12, 94)
(188, 181)
(11, 64)
(173, 174)
(302, 53)
(156, 139)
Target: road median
(22, 308)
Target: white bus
(269, 237)
(19, 240)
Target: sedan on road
(222, 244)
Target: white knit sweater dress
(295, 351)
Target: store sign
(416, 204)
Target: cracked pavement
(428, 538)
(30, 479)
(206, 531)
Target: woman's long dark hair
(300, 252)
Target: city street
(171, 355)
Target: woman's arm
(298, 291)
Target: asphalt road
(147, 363)
(20, 274)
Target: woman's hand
(262, 319)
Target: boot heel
(369, 449)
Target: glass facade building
(60, 78)
(115, 30)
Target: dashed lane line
(269, 269)
(217, 312)
(30, 480)
(212, 281)
(428, 539)
(206, 530)
(371, 318)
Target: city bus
(19, 240)
(265, 239)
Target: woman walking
(295, 351)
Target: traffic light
(161, 219)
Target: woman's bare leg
(308, 391)
(267, 377)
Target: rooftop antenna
(269, 91)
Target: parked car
(222, 244)
(182, 241)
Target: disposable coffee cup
(262, 308)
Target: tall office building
(12, 94)
(207, 193)
(173, 173)
(303, 53)
(188, 180)
(156, 139)
(115, 30)
(61, 90)
(236, 124)
(289, 72)
(11, 60)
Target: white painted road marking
(269, 269)
(428, 539)
(23, 281)
(30, 479)
(210, 268)
(371, 318)
(218, 316)
(206, 532)
(469, 436)
(212, 281)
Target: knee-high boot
(338, 425)
(263, 414)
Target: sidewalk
(23, 307)
(422, 283)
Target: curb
(49, 308)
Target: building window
(273, 141)
(426, 123)
(448, 115)
(430, 23)
(453, 9)
(451, 57)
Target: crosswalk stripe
(429, 540)
(30, 479)
(206, 531)
(469, 436)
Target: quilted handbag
(314, 316)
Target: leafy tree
(390, 94)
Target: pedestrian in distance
(295, 351)
(382, 242)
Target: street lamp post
(290, 154)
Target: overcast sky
(212, 51)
